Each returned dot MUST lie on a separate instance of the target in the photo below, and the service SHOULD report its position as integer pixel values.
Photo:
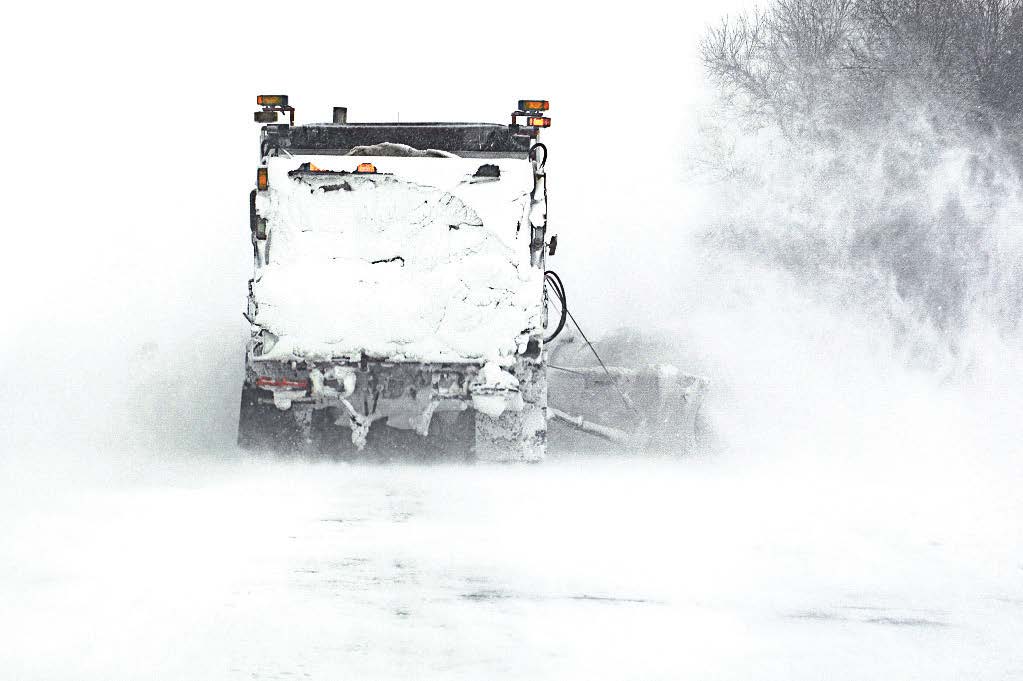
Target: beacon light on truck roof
(529, 108)
(271, 105)
(366, 168)
(534, 105)
(262, 179)
(272, 100)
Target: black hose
(532, 153)
(551, 277)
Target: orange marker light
(534, 105)
(366, 168)
(272, 100)
(262, 180)
(539, 122)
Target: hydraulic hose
(535, 148)
(552, 279)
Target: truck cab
(397, 299)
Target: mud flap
(265, 427)
(453, 434)
(331, 439)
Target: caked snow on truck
(400, 298)
(399, 285)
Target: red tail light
(270, 382)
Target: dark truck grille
(463, 139)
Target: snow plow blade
(655, 405)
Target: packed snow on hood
(423, 260)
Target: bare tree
(871, 96)
(806, 63)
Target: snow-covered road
(587, 567)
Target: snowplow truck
(398, 293)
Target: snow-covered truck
(398, 293)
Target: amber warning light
(271, 105)
(262, 181)
(366, 168)
(534, 105)
(272, 100)
(532, 110)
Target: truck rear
(398, 293)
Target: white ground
(590, 568)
